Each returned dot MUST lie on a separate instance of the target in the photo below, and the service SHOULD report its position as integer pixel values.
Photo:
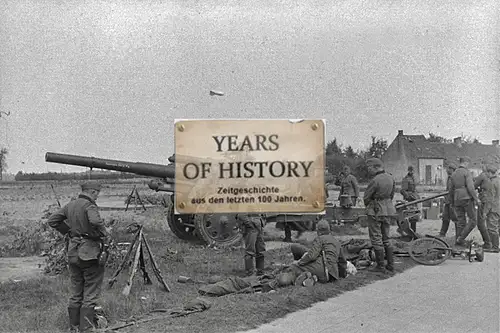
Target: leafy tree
(470, 140)
(333, 148)
(439, 139)
(3, 161)
(350, 153)
(378, 147)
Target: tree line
(337, 157)
(20, 176)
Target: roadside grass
(40, 305)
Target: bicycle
(431, 251)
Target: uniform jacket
(251, 220)
(84, 225)
(492, 195)
(462, 186)
(379, 194)
(349, 186)
(448, 199)
(332, 249)
(409, 188)
(483, 184)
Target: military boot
(413, 225)
(389, 254)
(259, 264)
(379, 257)
(249, 266)
(74, 319)
(87, 319)
(494, 244)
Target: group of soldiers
(88, 239)
(473, 202)
(325, 255)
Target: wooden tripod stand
(139, 242)
(134, 195)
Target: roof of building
(417, 146)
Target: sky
(108, 78)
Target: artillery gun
(219, 229)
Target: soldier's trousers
(378, 229)
(493, 222)
(482, 213)
(254, 248)
(448, 215)
(463, 210)
(86, 279)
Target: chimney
(495, 143)
(458, 141)
(400, 132)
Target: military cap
(91, 185)
(452, 165)
(463, 159)
(374, 162)
(323, 226)
(491, 168)
(410, 168)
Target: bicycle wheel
(429, 251)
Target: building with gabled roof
(430, 159)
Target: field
(38, 302)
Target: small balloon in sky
(216, 92)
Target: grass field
(39, 305)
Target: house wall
(438, 173)
(395, 160)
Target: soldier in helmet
(409, 193)
(448, 210)
(483, 184)
(349, 186)
(492, 208)
(88, 239)
(322, 258)
(465, 200)
(381, 212)
(253, 230)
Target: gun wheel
(429, 251)
(181, 225)
(220, 230)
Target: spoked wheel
(221, 230)
(429, 251)
(181, 225)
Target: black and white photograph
(218, 166)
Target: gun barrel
(143, 169)
(421, 200)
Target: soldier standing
(465, 200)
(483, 184)
(448, 210)
(492, 209)
(380, 211)
(349, 186)
(253, 230)
(88, 239)
(409, 193)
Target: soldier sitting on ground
(322, 259)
